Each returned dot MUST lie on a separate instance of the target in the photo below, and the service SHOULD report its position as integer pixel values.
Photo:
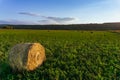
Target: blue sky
(59, 11)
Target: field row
(71, 55)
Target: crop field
(71, 55)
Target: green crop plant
(71, 55)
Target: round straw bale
(26, 56)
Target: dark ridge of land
(104, 26)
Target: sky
(59, 11)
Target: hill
(104, 26)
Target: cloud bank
(43, 20)
(29, 14)
(50, 19)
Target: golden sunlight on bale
(27, 56)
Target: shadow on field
(4, 68)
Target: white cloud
(61, 20)
(57, 20)
(50, 19)
(47, 22)
(29, 14)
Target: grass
(71, 55)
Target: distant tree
(8, 27)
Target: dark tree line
(105, 26)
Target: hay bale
(27, 56)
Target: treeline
(105, 26)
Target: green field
(71, 55)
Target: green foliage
(71, 55)
(8, 27)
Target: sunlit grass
(70, 54)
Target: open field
(71, 55)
